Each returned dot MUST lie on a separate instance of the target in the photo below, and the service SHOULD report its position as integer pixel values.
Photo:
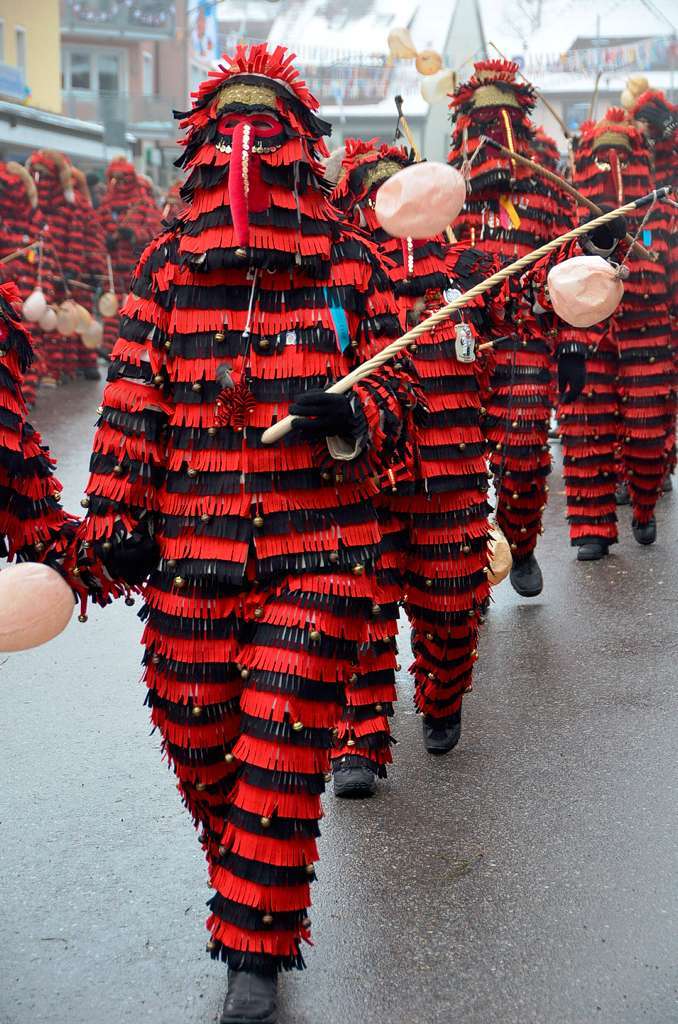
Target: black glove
(659, 118)
(323, 415)
(571, 376)
(606, 236)
(131, 559)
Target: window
(80, 72)
(147, 75)
(109, 73)
(20, 36)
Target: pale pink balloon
(584, 290)
(420, 201)
(36, 604)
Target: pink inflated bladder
(420, 201)
(585, 290)
(36, 604)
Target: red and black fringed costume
(56, 210)
(263, 605)
(33, 526)
(129, 219)
(510, 211)
(622, 423)
(659, 119)
(546, 149)
(19, 227)
(86, 266)
(436, 537)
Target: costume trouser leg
(518, 410)
(589, 429)
(364, 729)
(447, 592)
(646, 386)
(246, 690)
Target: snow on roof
(565, 20)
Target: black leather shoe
(441, 734)
(526, 577)
(593, 551)
(621, 494)
(251, 998)
(354, 778)
(645, 533)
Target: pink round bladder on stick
(584, 290)
(36, 604)
(420, 201)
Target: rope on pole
(279, 430)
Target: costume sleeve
(385, 402)
(128, 458)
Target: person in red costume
(129, 219)
(435, 547)
(19, 227)
(53, 177)
(85, 265)
(510, 211)
(33, 525)
(658, 117)
(621, 425)
(261, 592)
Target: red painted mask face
(246, 138)
(613, 160)
(266, 131)
(498, 123)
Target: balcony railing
(147, 19)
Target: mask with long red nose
(246, 138)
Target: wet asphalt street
(528, 878)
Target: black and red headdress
(494, 103)
(612, 162)
(365, 166)
(253, 153)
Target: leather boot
(592, 551)
(441, 734)
(354, 777)
(251, 999)
(526, 577)
(645, 533)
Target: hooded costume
(622, 425)
(510, 211)
(129, 218)
(262, 599)
(436, 537)
(19, 227)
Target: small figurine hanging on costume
(262, 594)
(129, 219)
(509, 211)
(435, 547)
(622, 425)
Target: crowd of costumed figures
(324, 363)
(71, 256)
